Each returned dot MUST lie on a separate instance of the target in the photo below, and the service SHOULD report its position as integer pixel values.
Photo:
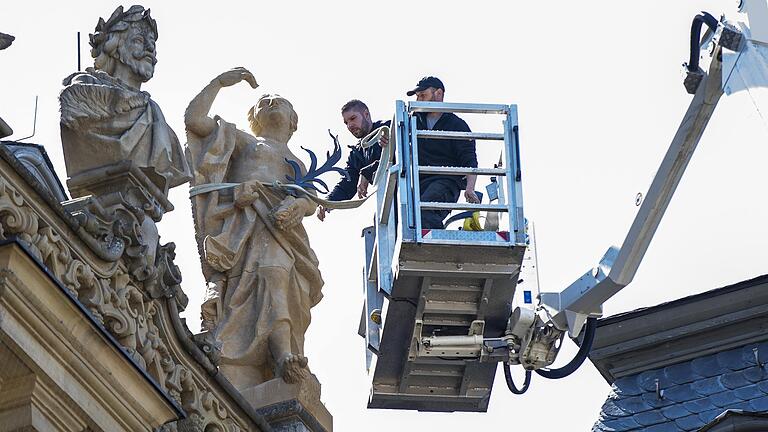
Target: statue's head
(127, 37)
(273, 112)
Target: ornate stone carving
(255, 252)
(135, 316)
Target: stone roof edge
(623, 316)
(90, 318)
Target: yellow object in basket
(473, 223)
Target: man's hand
(384, 140)
(471, 196)
(321, 211)
(362, 187)
(234, 76)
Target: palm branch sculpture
(311, 180)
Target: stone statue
(254, 249)
(121, 156)
(107, 119)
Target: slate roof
(694, 393)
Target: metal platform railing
(407, 141)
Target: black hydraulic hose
(698, 20)
(586, 346)
(511, 384)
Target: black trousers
(440, 189)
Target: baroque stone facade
(139, 310)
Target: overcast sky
(599, 90)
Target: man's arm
(196, 117)
(346, 188)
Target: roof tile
(622, 424)
(734, 380)
(680, 393)
(709, 415)
(730, 359)
(611, 410)
(755, 374)
(740, 405)
(647, 380)
(708, 386)
(600, 427)
(760, 404)
(649, 418)
(652, 400)
(691, 422)
(762, 350)
(676, 411)
(699, 405)
(724, 399)
(747, 355)
(681, 373)
(627, 386)
(749, 392)
(706, 366)
(633, 405)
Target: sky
(599, 91)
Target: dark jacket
(360, 161)
(445, 152)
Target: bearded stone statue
(105, 116)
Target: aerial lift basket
(445, 282)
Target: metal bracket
(477, 328)
(692, 80)
(731, 38)
(756, 353)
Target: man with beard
(106, 118)
(442, 152)
(255, 252)
(361, 163)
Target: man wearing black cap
(361, 163)
(442, 152)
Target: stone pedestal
(291, 407)
(124, 183)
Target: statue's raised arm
(196, 118)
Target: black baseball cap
(425, 83)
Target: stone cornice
(51, 329)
